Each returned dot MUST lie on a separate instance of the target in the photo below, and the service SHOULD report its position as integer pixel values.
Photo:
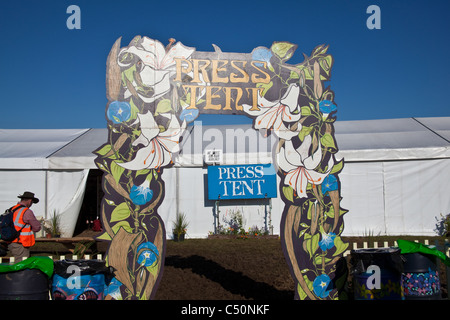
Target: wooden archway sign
(154, 90)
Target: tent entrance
(91, 206)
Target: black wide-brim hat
(28, 195)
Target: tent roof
(78, 154)
(394, 139)
(29, 149)
(365, 140)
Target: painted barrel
(26, 284)
(377, 274)
(420, 277)
(78, 287)
(79, 280)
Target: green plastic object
(44, 264)
(413, 247)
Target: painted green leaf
(116, 171)
(337, 167)
(288, 193)
(186, 103)
(121, 212)
(122, 224)
(307, 71)
(304, 132)
(327, 140)
(141, 172)
(330, 212)
(306, 111)
(265, 86)
(304, 225)
(315, 243)
(326, 63)
(294, 75)
(128, 74)
(163, 106)
(183, 104)
(136, 132)
(340, 246)
(312, 243)
(284, 50)
(104, 236)
(302, 294)
(305, 270)
(134, 110)
(322, 49)
(103, 150)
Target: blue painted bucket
(420, 278)
(377, 274)
(84, 287)
(79, 280)
(390, 286)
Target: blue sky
(53, 77)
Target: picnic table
(79, 244)
(65, 240)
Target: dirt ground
(225, 269)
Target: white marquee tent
(396, 178)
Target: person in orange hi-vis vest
(26, 222)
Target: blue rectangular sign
(252, 181)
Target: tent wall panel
(416, 195)
(15, 182)
(362, 192)
(65, 196)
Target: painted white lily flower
(158, 146)
(273, 114)
(300, 166)
(158, 65)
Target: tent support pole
(46, 195)
(177, 183)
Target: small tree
(52, 225)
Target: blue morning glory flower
(322, 286)
(119, 111)
(330, 183)
(261, 54)
(327, 241)
(327, 106)
(189, 115)
(142, 194)
(148, 254)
